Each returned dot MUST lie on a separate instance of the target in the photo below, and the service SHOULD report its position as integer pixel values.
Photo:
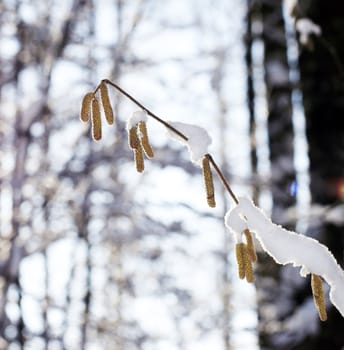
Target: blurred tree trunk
(217, 85)
(280, 124)
(273, 297)
(250, 95)
(323, 94)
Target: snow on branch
(198, 139)
(287, 247)
(306, 27)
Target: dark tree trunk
(250, 93)
(280, 124)
(274, 299)
(322, 86)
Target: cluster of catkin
(90, 109)
(139, 143)
(246, 256)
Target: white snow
(198, 139)
(235, 224)
(136, 117)
(306, 27)
(287, 247)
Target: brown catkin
(133, 139)
(318, 296)
(142, 128)
(240, 259)
(104, 95)
(139, 161)
(86, 107)
(96, 120)
(208, 181)
(247, 263)
(250, 245)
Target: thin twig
(222, 178)
(150, 113)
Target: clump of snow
(136, 117)
(307, 27)
(287, 247)
(198, 139)
(235, 224)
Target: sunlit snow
(136, 117)
(306, 27)
(198, 139)
(287, 247)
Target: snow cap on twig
(234, 221)
(306, 27)
(136, 118)
(198, 139)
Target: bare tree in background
(54, 200)
(283, 298)
(274, 296)
(78, 244)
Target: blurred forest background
(96, 256)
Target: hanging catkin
(208, 182)
(139, 161)
(248, 264)
(96, 120)
(86, 107)
(104, 95)
(244, 262)
(142, 129)
(133, 139)
(240, 260)
(318, 296)
(250, 245)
